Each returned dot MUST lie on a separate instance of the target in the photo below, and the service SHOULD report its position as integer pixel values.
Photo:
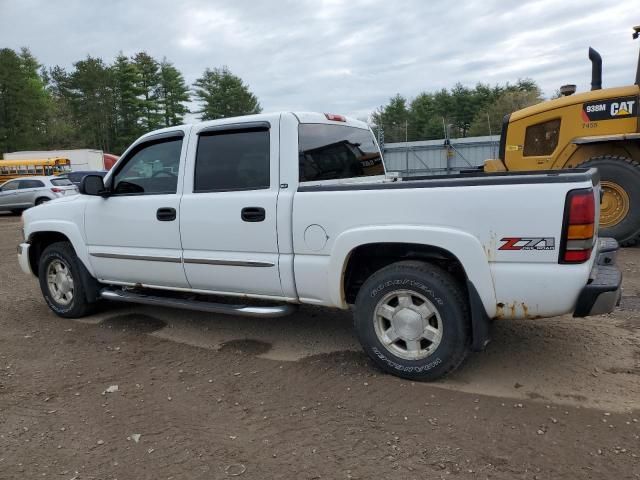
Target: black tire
(443, 292)
(42, 200)
(625, 172)
(78, 305)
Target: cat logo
(619, 109)
(610, 109)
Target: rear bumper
(603, 291)
(23, 258)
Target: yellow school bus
(10, 169)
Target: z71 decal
(528, 243)
(610, 109)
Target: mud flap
(91, 285)
(480, 321)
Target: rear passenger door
(228, 209)
(28, 192)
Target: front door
(8, 193)
(228, 209)
(133, 235)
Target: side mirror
(92, 185)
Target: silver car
(22, 193)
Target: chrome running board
(269, 311)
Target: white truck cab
(294, 208)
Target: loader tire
(620, 207)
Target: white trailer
(81, 159)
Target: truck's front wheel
(412, 320)
(59, 273)
(620, 207)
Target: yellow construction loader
(600, 128)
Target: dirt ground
(203, 396)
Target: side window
(150, 169)
(7, 187)
(236, 160)
(31, 184)
(542, 138)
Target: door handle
(253, 214)
(166, 214)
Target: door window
(30, 184)
(542, 138)
(9, 186)
(150, 169)
(232, 161)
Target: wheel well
(368, 259)
(584, 152)
(39, 241)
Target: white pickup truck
(295, 208)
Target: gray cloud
(343, 56)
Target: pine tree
(173, 93)
(223, 94)
(89, 93)
(24, 101)
(148, 83)
(128, 107)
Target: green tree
(489, 119)
(173, 93)
(223, 94)
(127, 105)
(24, 101)
(62, 128)
(393, 118)
(426, 117)
(88, 91)
(149, 85)
(460, 111)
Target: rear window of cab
(332, 152)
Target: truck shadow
(590, 362)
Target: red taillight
(577, 256)
(582, 208)
(57, 190)
(335, 117)
(579, 226)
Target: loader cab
(549, 135)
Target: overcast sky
(340, 56)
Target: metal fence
(439, 157)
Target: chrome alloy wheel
(60, 282)
(407, 324)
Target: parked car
(297, 209)
(76, 177)
(22, 193)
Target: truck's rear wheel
(412, 320)
(59, 273)
(620, 207)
